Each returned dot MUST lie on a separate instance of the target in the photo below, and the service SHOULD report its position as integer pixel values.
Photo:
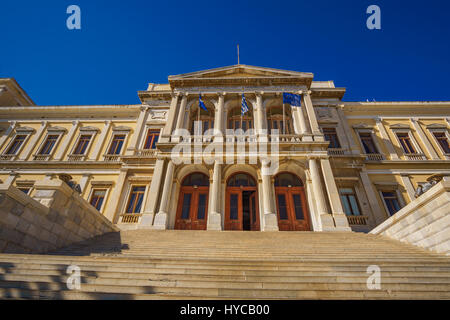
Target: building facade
(166, 163)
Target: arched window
(235, 120)
(196, 179)
(241, 180)
(286, 179)
(206, 118)
(275, 120)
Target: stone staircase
(147, 264)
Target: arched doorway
(192, 212)
(292, 211)
(241, 207)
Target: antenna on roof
(238, 53)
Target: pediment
(436, 126)
(399, 126)
(240, 71)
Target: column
(408, 186)
(384, 135)
(218, 114)
(152, 195)
(111, 211)
(340, 219)
(215, 216)
(379, 216)
(319, 197)
(7, 133)
(162, 218)
(84, 182)
(173, 112)
(66, 142)
(181, 112)
(423, 137)
(259, 117)
(33, 142)
(318, 136)
(270, 220)
(101, 141)
(135, 138)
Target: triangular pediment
(240, 71)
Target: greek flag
(244, 107)
(292, 99)
(201, 104)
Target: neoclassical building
(166, 163)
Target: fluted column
(326, 219)
(152, 196)
(135, 138)
(7, 133)
(101, 141)
(270, 220)
(215, 216)
(173, 112)
(66, 142)
(340, 219)
(314, 124)
(162, 218)
(429, 148)
(33, 141)
(387, 141)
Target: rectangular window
(298, 207)
(331, 136)
(391, 200)
(349, 201)
(234, 206)
(49, 144)
(136, 199)
(406, 142)
(97, 198)
(116, 144)
(368, 143)
(151, 139)
(16, 144)
(282, 207)
(82, 144)
(201, 210)
(185, 211)
(441, 138)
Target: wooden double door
(192, 212)
(241, 209)
(292, 211)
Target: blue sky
(124, 45)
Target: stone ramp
(147, 264)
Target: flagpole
(284, 120)
(238, 53)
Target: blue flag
(292, 99)
(244, 107)
(201, 104)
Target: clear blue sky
(124, 45)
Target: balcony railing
(285, 138)
(130, 218)
(336, 152)
(41, 157)
(374, 157)
(76, 157)
(415, 156)
(7, 157)
(111, 157)
(146, 152)
(357, 220)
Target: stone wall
(55, 217)
(424, 222)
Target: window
(275, 120)
(405, 142)
(349, 201)
(97, 198)
(49, 144)
(82, 145)
(16, 144)
(368, 143)
(25, 190)
(391, 200)
(205, 119)
(331, 136)
(136, 199)
(116, 144)
(441, 138)
(151, 139)
(238, 121)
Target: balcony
(111, 157)
(415, 156)
(146, 153)
(130, 217)
(7, 157)
(357, 220)
(76, 157)
(285, 138)
(41, 157)
(374, 157)
(336, 151)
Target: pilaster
(66, 142)
(162, 218)
(428, 147)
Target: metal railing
(130, 217)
